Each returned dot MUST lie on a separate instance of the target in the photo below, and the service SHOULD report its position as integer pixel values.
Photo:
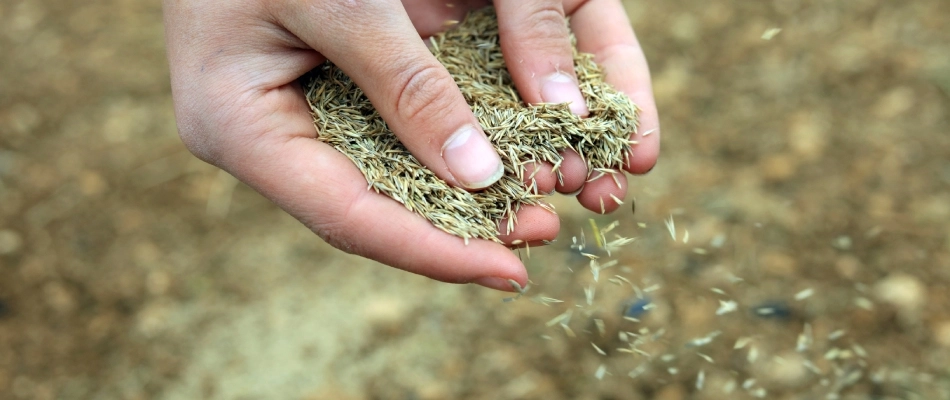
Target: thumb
(376, 44)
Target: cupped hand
(234, 71)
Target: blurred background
(805, 175)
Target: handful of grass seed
(522, 134)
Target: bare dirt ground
(808, 177)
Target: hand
(234, 70)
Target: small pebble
(941, 333)
(10, 241)
(903, 291)
(842, 242)
(786, 370)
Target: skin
(234, 70)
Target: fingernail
(492, 282)
(472, 159)
(561, 88)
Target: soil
(807, 175)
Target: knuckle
(424, 92)
(547, 23)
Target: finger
(573, 172)
(535, 226)
(434, 16)
(536, 45)
(539, 177)
(604, 192)
(377, 46)
(323, 189)
(603, 29)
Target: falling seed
(753, 355)
(804, 339)
(589, 294)
(863, 302)
(639, 370)
(599, 351)
(838, 334)
(700, 379)
(649, 132)
(748, 383)
(726, 306)
(641, 225)
(671, 227)
(568, 331)
(859, 350)
(633, 206)
(832, 354)
(699, 342)
(811, 367)
(548, 300)
(770, 33)
(562, 319)
(706, 357)
(742, 342)
(718, 291)
(804, 294)
(601, 372)
(686, 237)
(600, 327)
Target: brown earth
(811, 172)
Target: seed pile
(522, 134)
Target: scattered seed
(671, 227)
(863, 302)
(804, 294)
(470, 52)
(742, 342)
(601, 372)
(706, 357)
(726, 306)
(838, 334)
(599, 351)
(770, 33)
